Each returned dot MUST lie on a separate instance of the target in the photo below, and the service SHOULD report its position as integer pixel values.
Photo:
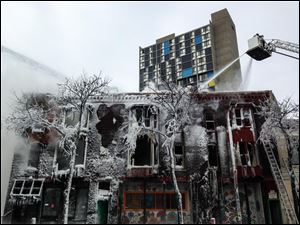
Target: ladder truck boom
(259, 49)
(285, 45)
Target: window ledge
(144, 167)
(179, 167)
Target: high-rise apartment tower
(194, 57)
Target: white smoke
(19, 74)
(246, 77)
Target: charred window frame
(238, 117)
(246, 117)
(247, 153)
(213, 155)
(145, 152)
(243, 117)
(62, 158)
(179, 155)
(104, 185)
(210, 121)
(30, 187)
(71, 117)
(147, 115)
(104, 188)
(252, 153)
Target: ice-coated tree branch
(175, 102)
(281, 118)
(45, 111)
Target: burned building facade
(223, 173)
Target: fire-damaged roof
(247, 96)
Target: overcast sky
(94, 36)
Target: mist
(19, 74)
(246, 76)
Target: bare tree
(32, 110)
(175, 102)
(281, 117)
(77, 92)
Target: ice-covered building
(19, 74)
(226, 178)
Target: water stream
(218, 73)
(246, 78)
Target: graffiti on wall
(153, 217)
(230, 213)
(253, 213)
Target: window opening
(246, 115)
(238, 117)
(30, 187)
(179, 155)
(212, 155)
(245, 158)
(210, 123)
(80, 151)
(142, 154)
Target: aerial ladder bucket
(258, 48)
